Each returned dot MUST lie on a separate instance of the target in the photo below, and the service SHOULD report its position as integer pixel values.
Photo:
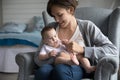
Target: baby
(53, 48)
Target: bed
(15, 38)
(24, 38)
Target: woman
(74, 30)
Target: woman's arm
(73, 47)
(98, 45)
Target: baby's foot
(91, 69)
(74, 59)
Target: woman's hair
(62, 3)
(45, 29)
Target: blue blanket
(25, 38)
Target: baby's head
(49, 36)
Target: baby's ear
(44, 41)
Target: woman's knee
(45, 69)
(43, 73)
(65, 72)
(59, 72)
(60, 67)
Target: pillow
(12, 27)
(47, 18)
(38, 23)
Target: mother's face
(62, 15)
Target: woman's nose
(57, 19)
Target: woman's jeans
(59, 72)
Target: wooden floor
(13, 76)
(8, 76)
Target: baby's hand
(53, 53)
(65, 41)
(73, 53)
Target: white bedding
(7, 57)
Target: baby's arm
(45, 56)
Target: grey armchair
(107, 20)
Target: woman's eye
(60, 15)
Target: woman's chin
(61, 25)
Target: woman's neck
(68, 31)
(71, 26)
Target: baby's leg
(64, 54)
(62, 58)
(74, 58)
(86, 64)
(66, 58)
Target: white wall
(22, 11)
(0, 12)
(98, 3)
(117, 3)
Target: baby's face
(51, 38)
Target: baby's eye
(55, 36)
(49, 38)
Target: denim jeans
(59, 72)
(44, 72)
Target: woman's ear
(71, 10)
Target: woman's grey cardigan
(97, 44)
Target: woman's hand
(73, 47)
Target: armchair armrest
(26, 65)
(107, 69)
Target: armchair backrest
(99, 16)
(107, 20)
